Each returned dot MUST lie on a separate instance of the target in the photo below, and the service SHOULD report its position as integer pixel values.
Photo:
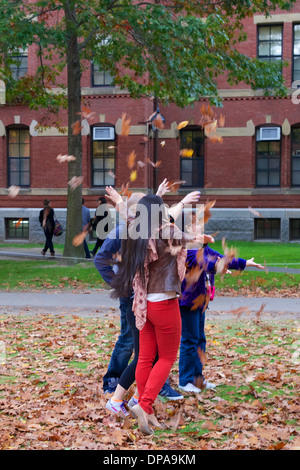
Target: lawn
(51, 388)
(30, 274)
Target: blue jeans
(86, 249)
(122, 351)
(192, 338)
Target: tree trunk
(74, 202)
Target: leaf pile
(51, 388)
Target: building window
(268, 156)
(103, 156)
(296, 52)
(18, 157)
(19, 67)
(101, 77)
(267, 229)
(270, 43)
(192, 157)
(294, 229)
(17, 229)
(295, 158)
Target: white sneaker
(190, 388)
(208, 385)
(117, 407)
(133, 401)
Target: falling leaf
(76, 127)
(111, 174)
(258, 214)
(86, 113)
(79, 239)
(131, 159)
(174, 186)
(163, 143)
(65, 158)
(182, 124)
(186, 152)
(75, 182)
(13, 191)
(125, 191)
(238, 311)
(259, 312)
(125, 126)
(222, 120)
(155, 165)
(18, 223)
(133, 175)
(201, 355)
(198, 302)
(141, 164)
(158, 122)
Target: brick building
(257, 165)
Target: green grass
(44, 274)
(31, 274)
(271, 253)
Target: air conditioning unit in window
(103, 133)
(269, 133)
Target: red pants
(161, 334)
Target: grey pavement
(99, 303)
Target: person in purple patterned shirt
(193, 302)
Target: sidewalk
(100, 304)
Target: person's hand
(113, 196)
(194, 196)
(208, 239)
(163, 188)
(250, 262)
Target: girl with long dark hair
(152, 265)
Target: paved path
(99, 303)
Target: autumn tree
(174, 50)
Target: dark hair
(134, 250)
(82, 201)
(102, 199)
(46, 202)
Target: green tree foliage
(173, 49)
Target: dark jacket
(50, 223)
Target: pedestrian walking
(46, 219)
(86, 225)
(101, 213)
